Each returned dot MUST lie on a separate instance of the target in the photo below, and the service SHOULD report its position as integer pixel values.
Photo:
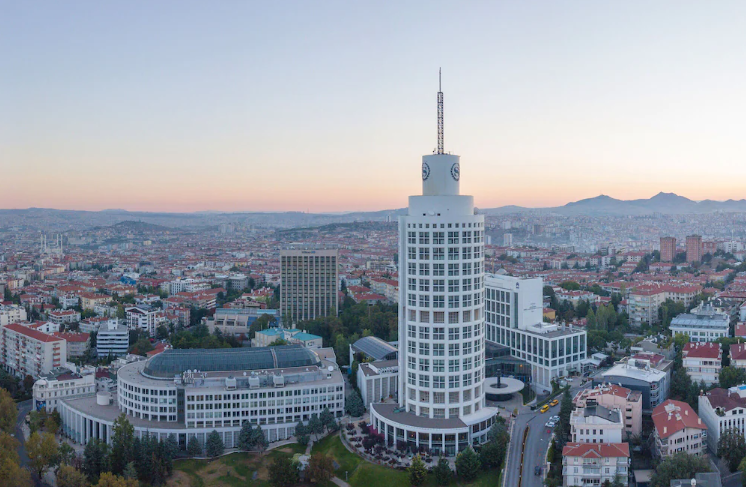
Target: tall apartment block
(308, 287)
(693, 248)
(668, 249)
(441, 400)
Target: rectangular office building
(309, 284)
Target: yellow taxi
(553, 402)
(544, 408)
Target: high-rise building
(309, 284)
(441, 398)
(693, 248)
(25, 351)
(668, 249)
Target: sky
(328, 106)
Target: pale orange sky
(257, 107)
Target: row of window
(454, 397)
(439, 301)
(464, 269)
(439, 253)
(454, 349)
(439, 285)
(439, 333)
(439, 381)
(454, 365)
(439, 238)
(440, 316)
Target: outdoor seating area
(363, 439)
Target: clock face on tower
(425, 171)
(456, 171)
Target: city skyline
(323, 110)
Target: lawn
(236, 469)
(362, 473)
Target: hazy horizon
(176, 107)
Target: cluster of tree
(283, 472)
(45, 422)
(679, 466)
(129, 458)
(199, 337)
(11, 472)
(17, 388)
(354, 404)
(732, 448)
(251, 438)
(562, 429)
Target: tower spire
(440, 113)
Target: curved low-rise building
(193, 392)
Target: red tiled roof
(596, 450)
(72, 337)
(672, 416)
(740, 330)
(738, 351)
(702, 350)
(31, 333)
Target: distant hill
(139, 227)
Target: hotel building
(308, 287)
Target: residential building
(90, 325)
(703, 361)
(11, 313)
(649, 374)
(237, 321)
(60, 317)
(77, 343)
(306, 340)
(693, 249)
(144, 317)
(644, 300)
(594, 464)
(678, 429)
(514, 318)
(596, 424)
(441, 400)
(91, 300)
(668, 249)
(25, 351)
(703, 324)
(201, 391)
(112, 339)
(59, 384)
(309, 284)
(613, 396)
(264, 338)
(738, 355)
(386, 287)
(377, 381)
(723, 409)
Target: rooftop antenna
(440, 113)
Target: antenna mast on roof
(440, 113)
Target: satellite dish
(330, 368)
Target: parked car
(555, 419)
(544, 408)
(550, 424)
(537, 470)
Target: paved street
(23, 409)
(536, 444)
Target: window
(467, 284)
(411, 331)
(438, 238)
(412, 284)
(453, 238)
(465, 269)
(412, 269)
(453, 253)
(412, 299)
(467, 348)
(424, 238)
(477, 251)
(466, 253)
(467, 329)
(439, 285)
(439, 253)
(438, 332)
(467, 364)
(412, 363)
(439, 397)
(438, 365)
(467, 379)
(424, 253)
(424, 380)
(425, 365)
(438, 349)
(453, 365)
(411, 379)
(453, 285)
(453, 334)
(439, 382)
(467, 237)
(467, 301)
(438, 269)
(453, 382)
(453, 349)
(412, 315)
(424, 285)
(453, 270)
(452, 317)
(411, 237)
(412, 347)
(424, 269)
(439, 302)
(424, 331)
(412, 253)
(453, 301)
(424, 349)
(424, 301)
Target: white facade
(593, 464)
(25, 351)
(377, 381)
(54, 387)
(112, 339)
(678, 429)
(721, 410)
(596, 424)
(703, 361)
(145, 318)
(441, 318)
(12, 314)
(703, 324)
(514, 318)
(194, 404)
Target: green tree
(283, 472)
(492, 453)
(467, 465)
(260, 441)
(11, 472)
(8, 412)
(42, 452)
(417, 471)
(320, 468)
(122, 438)
(732, 447)
(65, 455)
(679, 466)
(214, 444)
(246, 436)
(742, 469)
(327, 419)
(315, 426)
(130, 472)
(108, 479)
(69, 476)
(95, 459)
(443, 472)
(731, 376)
(193, 447)
(354, 404)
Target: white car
(550, 424)
(554, 419)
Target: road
(24, 408)
(537, 443)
